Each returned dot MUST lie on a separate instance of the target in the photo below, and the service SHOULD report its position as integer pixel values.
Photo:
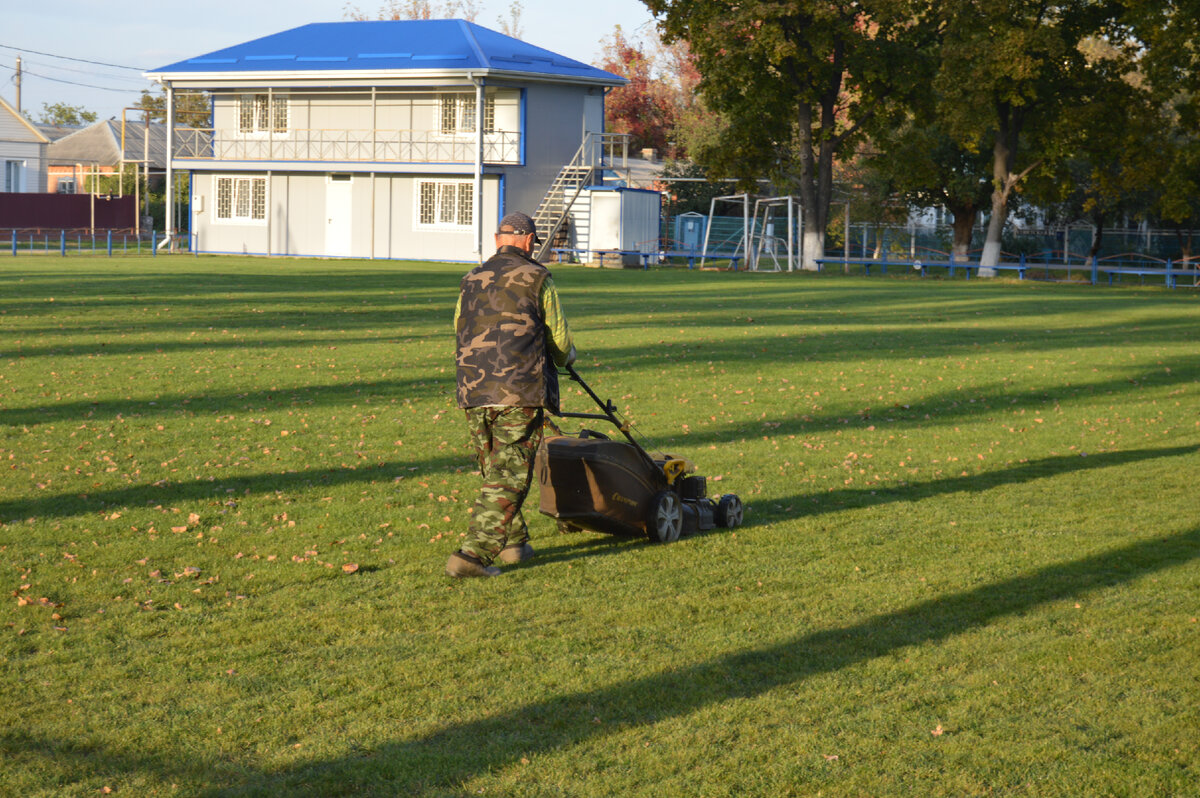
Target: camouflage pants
(505, 440)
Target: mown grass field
(969, 564)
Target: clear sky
(146, 35)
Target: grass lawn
(230, 485)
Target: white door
(339, 205)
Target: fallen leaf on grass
(939, 731)
(350, 567)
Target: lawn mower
(617, 487)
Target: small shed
(619, 220)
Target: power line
(69, 58)
(90, 72)
(75, 83)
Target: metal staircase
(595, 153)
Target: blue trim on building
(501, 198)
(524, 126)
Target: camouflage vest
(501, 336)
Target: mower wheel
(729, 511)
(666, 517)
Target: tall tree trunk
(964, 223)
(816, 162)
(1098, 235)
(813, 245)
(1004, 153)
(1000, 188)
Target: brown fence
(71, 211)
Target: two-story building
(401, 139)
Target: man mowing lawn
(511, 335)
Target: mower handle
(609, 414)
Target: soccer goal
(775, 232)
(738, 238)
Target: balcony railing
(345, 146)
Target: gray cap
(519, 224)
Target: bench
(916, 265)
(1170, 276)
(600, 254)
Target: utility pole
(18, 84)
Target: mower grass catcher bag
(617, 487)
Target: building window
(12, 175)
(448, 205)
(458, 114)
(66, 185)
(262, 113)
(241, 199)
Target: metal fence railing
(345, 146)
(82, 241)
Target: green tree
(192, 108)
(1015, 71)
(63, 114)
(1169, 61)
(926, 167)
(793, 82)
(1104, 175)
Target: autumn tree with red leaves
(642, 107)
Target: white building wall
(383, 218)
(19, 146)
(557, 118)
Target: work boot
(516, 552)
(462, 564)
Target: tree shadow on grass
(63, 505)
(442, 761)
(847, 498)
(805, 505)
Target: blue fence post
(1095, 270)
(1021, 271)
(62, 243)
(110, 243)
(154, 243)
(1170, 277)
(14, 243)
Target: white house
(401, 139)
(22, 153)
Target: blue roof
(433, 44)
